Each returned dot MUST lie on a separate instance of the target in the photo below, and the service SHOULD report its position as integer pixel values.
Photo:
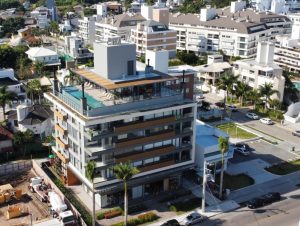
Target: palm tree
(267, 91)
(39, 68)
(5, 97)
(223, 146)
(124, 172)
(254, 96)
(226, 83)
(90, 174)
(240, 90)
(72, 79)
(275, 104)
(22, 139)
(33, 88)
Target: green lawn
(285, 168)
(235, 132)
(234, 182)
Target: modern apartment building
(153, 35)
(75, 48)
(234, 30)
(87, 29)
(125, 114)
(287, 48)
(117, 25)
(262, 70)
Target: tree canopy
(11, 25)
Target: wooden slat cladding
(156, 166)
(144, 140)
(144, 124)
(62, 157)
(61, 130)
(60, 115)
(61, 144)
(146, 154)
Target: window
(130, 66)
(137, 163)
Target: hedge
(110, 213)
(141, 219)
(85, 215)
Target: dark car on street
(172, 222)
(271, 197)
(255, 203)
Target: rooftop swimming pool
(297, 85)
(91, 101)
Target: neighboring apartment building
(153, 35)
(87, 29)
(42, 16)
(262, 70)
(126, 115)
(74, 47)
(105, 7)
(287, 48)
(117, 25)
(234, 29)
(44, 55)
(209, 74)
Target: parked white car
(266, 121)
(252, 115)
(193, 218)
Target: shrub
(100, 216)
(141, 219)
(112, 214)
(173, 208)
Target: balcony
(167, 134)
(60, 129)
(64, 159)
(144, 124)
(94, 150)
(156, 165)
(61, 143)
(90, 133)
(60, 115)
(146, 154)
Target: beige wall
(161, 15)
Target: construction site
(18, 205)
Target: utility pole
(203, 188)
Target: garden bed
(235, 132)
(285, 168)
(187, 205)
(234, 182)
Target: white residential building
(65, 26)
(74, 47)
(44, 55)
(287, 48)
(42, 16)
(8, 79)
(126, 114)
(117, 25)
(207, 148)
(262, 70)
(234, 29)
(209, 74)
(87, 29)
(36, 118)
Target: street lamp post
(203, 188)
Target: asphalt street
(284, 133)
(282, 213)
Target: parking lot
(29, 204)
(270, 153)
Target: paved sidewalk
(254, 168)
